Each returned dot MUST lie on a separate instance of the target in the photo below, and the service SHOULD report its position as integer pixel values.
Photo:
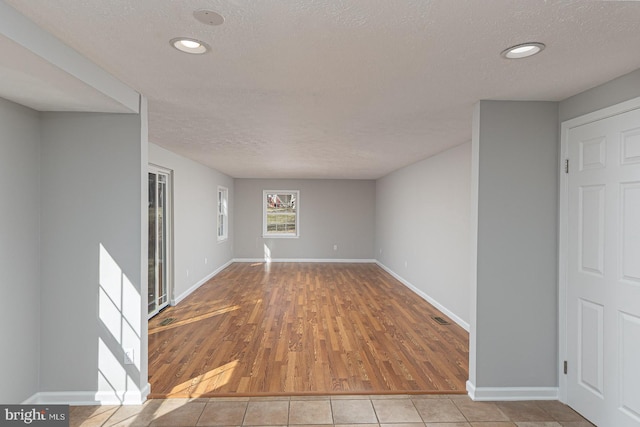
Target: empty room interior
(320, 198)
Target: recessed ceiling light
(189, 45)
(522, 50)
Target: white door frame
(566, 126)
(153, 168)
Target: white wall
(516, 167)
(92, 275)
(332, 212)
(195, 219)
(423, 219)
(19, 252)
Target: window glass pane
(222, 219)
(280, 213)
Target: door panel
(630, 232)
(629, 373)
(590, 348)
(591, 233)
(603, 270)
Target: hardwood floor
(309, 328)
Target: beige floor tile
(403, 425)
(185, 415)
(559, 411)
(480, 411)
(458, 396)
(269, 412)
(448, 425)
(263, 398)
(389, 396)
(439, 396)
(154, 408)
(438, 410)
(350, 397)
(223, 413)
(357, 425)
(396, 411)
(310, 412)
(353, 412)
(493, 424)
(323, 397)
(90, 416)
(524, 411)
(229, 399)
(129, 416)
(537, 424)
(583, 423)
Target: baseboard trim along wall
(327, 260)
(464, 325)
(84, 398)
(511, 393)
(176, 300)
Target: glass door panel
(152, 244)
(159, 240)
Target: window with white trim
(223, 213)
(280, 213)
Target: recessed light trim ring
(523, 50)
(189, 45)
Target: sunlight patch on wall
(119, 324)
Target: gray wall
(91, 237)
(614, 92)
(332, 212)
(195, 212)
(423, 218)
(516, 305)
(19, 251)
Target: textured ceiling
(30, 80)
(338, 88)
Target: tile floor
(344, 411)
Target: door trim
(563, 229)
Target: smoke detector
(208, 17)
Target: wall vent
(440, 320)
(167, 321)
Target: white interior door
(603, 270)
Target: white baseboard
(511, 393)
(83, 398)
(464, 325)
(327, 260)
(176, 300)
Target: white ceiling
(30, 80)
(338, 88)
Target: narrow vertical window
(223, 213)
(281, 210)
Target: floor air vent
(167, 321)
(440, 320)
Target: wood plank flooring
(304, 328)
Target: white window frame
(222, 213)
(269, 235)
